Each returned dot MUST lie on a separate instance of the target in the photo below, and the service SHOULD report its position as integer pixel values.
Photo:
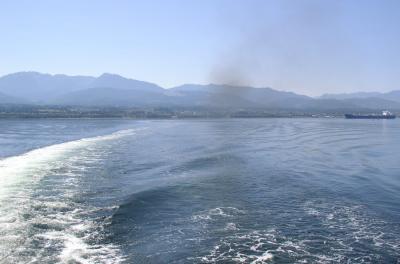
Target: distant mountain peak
(110, 75)
(120, 82)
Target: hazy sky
(306, 46)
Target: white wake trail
(31, 217)
(34, 164)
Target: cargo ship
(384, 115)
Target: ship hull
(351, 116)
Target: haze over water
(202, 191)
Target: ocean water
(200, 191)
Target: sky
(309, 47)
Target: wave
(35, 163)
(40, 217)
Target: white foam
(31, 216)
(243, 248)
(76, 250)
(359, 225)
(231, 226)
(225, 212)
(263, 258)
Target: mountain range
(392, 96)
(117, 91)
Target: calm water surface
(204, 191)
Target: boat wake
(42, 215)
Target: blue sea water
(200, 191)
